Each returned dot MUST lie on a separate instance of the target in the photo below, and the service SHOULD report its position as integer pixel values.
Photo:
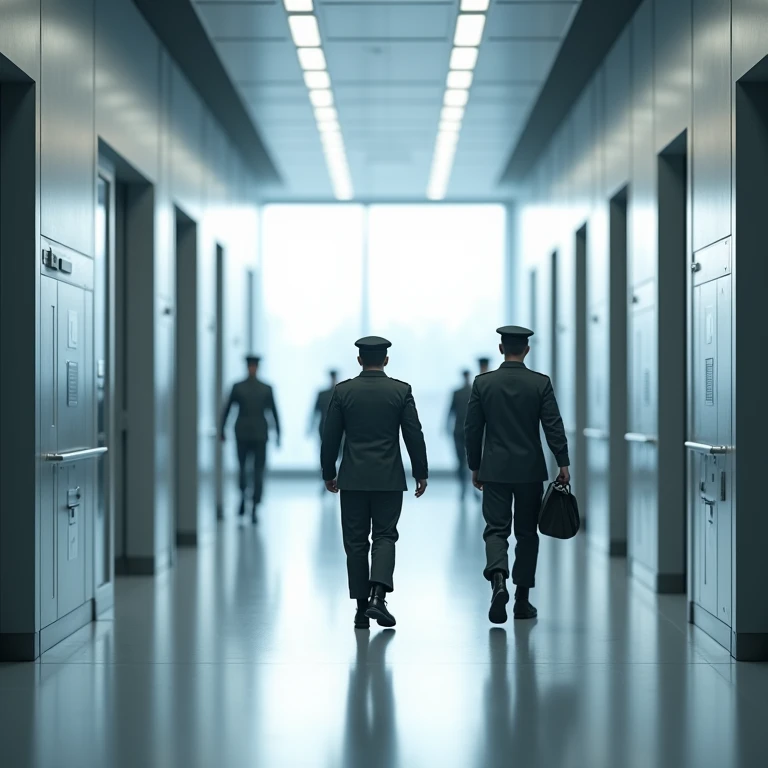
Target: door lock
(695, 267)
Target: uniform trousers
(364, 513)
(254, 452)
(462, 473)
(497, 511)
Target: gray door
(711, 390)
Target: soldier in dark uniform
(369, 412)
(484, 364)
(321, 404)
(507, 462)
(457, 413)
(254, 400)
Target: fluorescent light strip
(311, 59)
(323, 80)
(322, 98)
(300, 6)
(305, 32)
(467, 38)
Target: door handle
(78, 455)
(712, 450)
(596, 434)
(638, 437)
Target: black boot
(241, 512)
(361, 620)
(498, 612)
(377, 607)
(523, 609)
(254, 516)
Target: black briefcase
(559, 513)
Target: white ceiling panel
(529, 20)
(513, 61)
(255, 21)
(362, 92)
(382, 62)
(376, 21)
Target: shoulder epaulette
(346, 381)
(399, 381)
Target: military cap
(252, 359)
(371, 343)
(515, 330)
(333, 372)
(483, 360)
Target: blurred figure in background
(484, 364)
(457, 414)
(254, 400)
(320, 411)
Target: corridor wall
(98, 81)
(665, 89)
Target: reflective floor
(245, 655)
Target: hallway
(244, 655)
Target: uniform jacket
(458, 410)
(321, 406)
(370, 411)
(254, 399)
(507, 406)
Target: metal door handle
(638, 437)
(596, 434)
(83, 453)
(712, 450)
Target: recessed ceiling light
(312, 59)
(463, 58)
(298, 5)
(459, 79)
(455, 97)
(474, 5)
(305, 32)
(452, 114)
(469, 29)
(324, 114)
(321, 79)
(446, 125)
(322, 98)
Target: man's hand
(475, 480)
(421, 486)
(564, 478)
(332, 486)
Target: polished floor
(244, 655)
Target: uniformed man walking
(484, 364)
(322, 402)
(505, 455)
(369, 412)
(457, 414)
(255, 400)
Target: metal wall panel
(20, 36)
(672, 69)
(711, 155)
(67, 174)
(618, 114)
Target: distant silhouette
(369, 412)
(255, 400)
(322, 402)
(506, 410)
(457, 413)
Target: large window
(428, 277)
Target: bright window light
(463, 58)
(323, 114)
(455, 98)
(475, 5)
(469, 29)
(299, 6)
(459, 79)
(321, 98)
(312, 59)
(452, 114)
(321, 79)
(306, 33)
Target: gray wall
(102, 76)
(675, 67)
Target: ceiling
(388, 62)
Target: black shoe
(361, 620)
(241, 512)
(498, 612)
(524, 610)
(377, 607)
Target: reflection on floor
(245, 655)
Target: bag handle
(562, 487)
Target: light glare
(317, 80)
(322, 98)
(305, 32)
(323, 114)
(312, 59)
(300, 6)
(455, 97)
(459, 79)
(475, 5)
(469, 29)
(463, 58)
(452, 114)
